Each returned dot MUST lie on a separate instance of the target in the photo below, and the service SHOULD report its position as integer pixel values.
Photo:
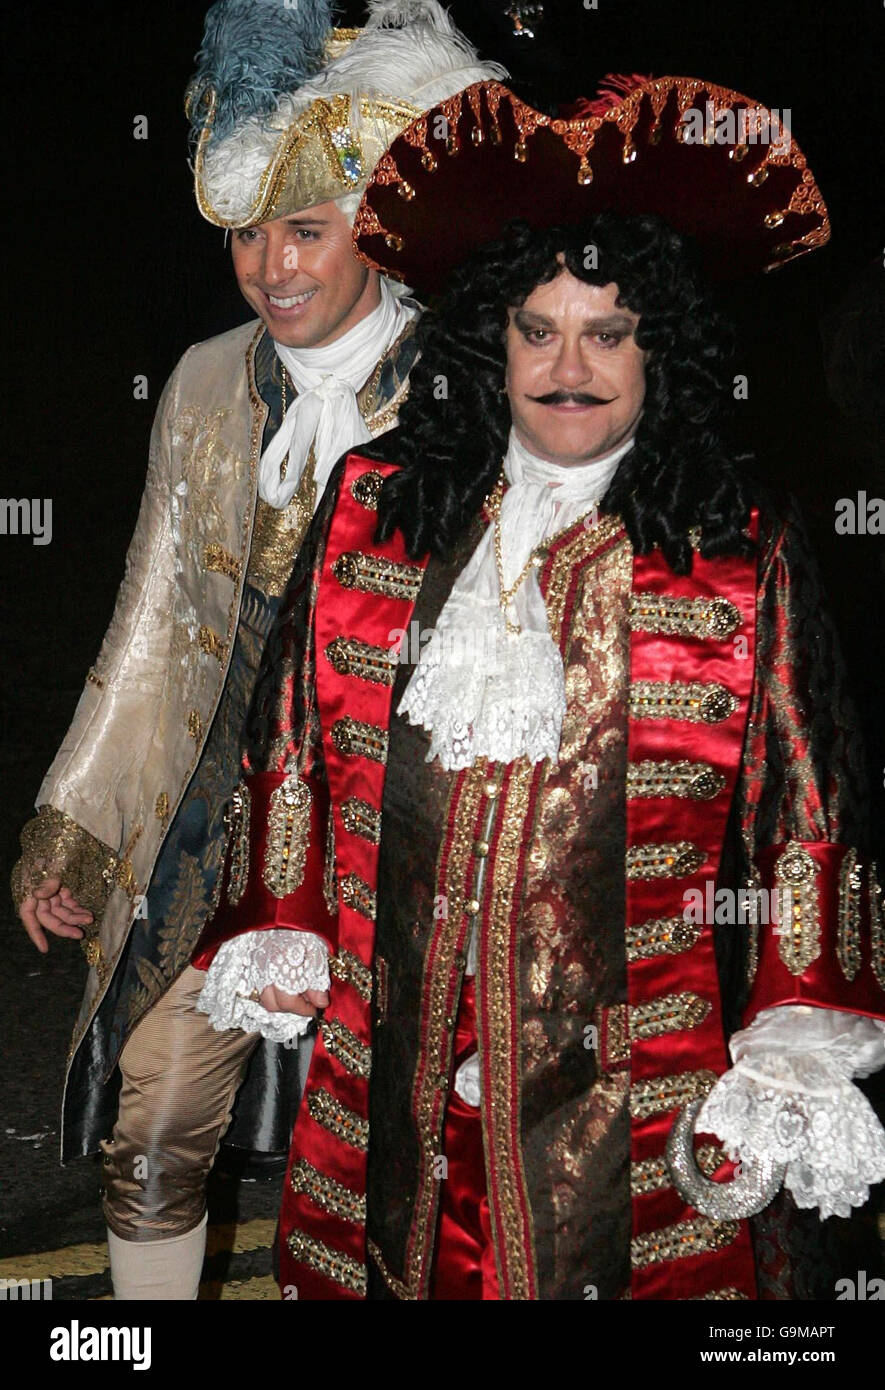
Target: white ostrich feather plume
(407, 52)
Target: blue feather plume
(253, 52)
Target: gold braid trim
(346, 1124)
(55, 846)
(653, 1175)
(700, 1236)
(332, 1196)
(727, 1295)
(335, 1265)
(395, 1285)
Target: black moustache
(569, 398)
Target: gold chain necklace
(506, 595)
(305, 497)
(537, 557)
(284, 464)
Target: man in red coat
(550, 785)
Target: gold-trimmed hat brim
(452, 180)
(317, 158)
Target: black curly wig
(680, 473)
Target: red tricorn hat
(710, 162)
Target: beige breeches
(180, 1078)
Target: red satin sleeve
(803, 805)
(258, 908)
(825, 948)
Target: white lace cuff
(790, 1098)
(293, 960)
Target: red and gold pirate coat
(706, 740)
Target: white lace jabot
(480, 690)
(325, 411)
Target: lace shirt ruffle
(790, 1097)
(294, 961)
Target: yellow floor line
(263, 1287)
(252, 1235)
(80, 1260)
(57, 1264)
(259, 1287)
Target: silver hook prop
(758, 1184)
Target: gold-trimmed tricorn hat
(711, 163)
(287, 111)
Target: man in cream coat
(125, 848)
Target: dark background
(111, 272)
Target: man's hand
(308, 1004)
(53, 907)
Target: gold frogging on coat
(288, 836)
(334, 1116)
(798, 941)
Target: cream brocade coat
(144, 715)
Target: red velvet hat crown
(455, 176)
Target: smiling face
(300, 274)
(575, 376)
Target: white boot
(158, 1269)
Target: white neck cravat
(325, 411)
(479, 690)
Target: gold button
(491, 790)
(482, 848)
(460, 960)
(472, 907)
(450, 1020)
(442, 1081)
